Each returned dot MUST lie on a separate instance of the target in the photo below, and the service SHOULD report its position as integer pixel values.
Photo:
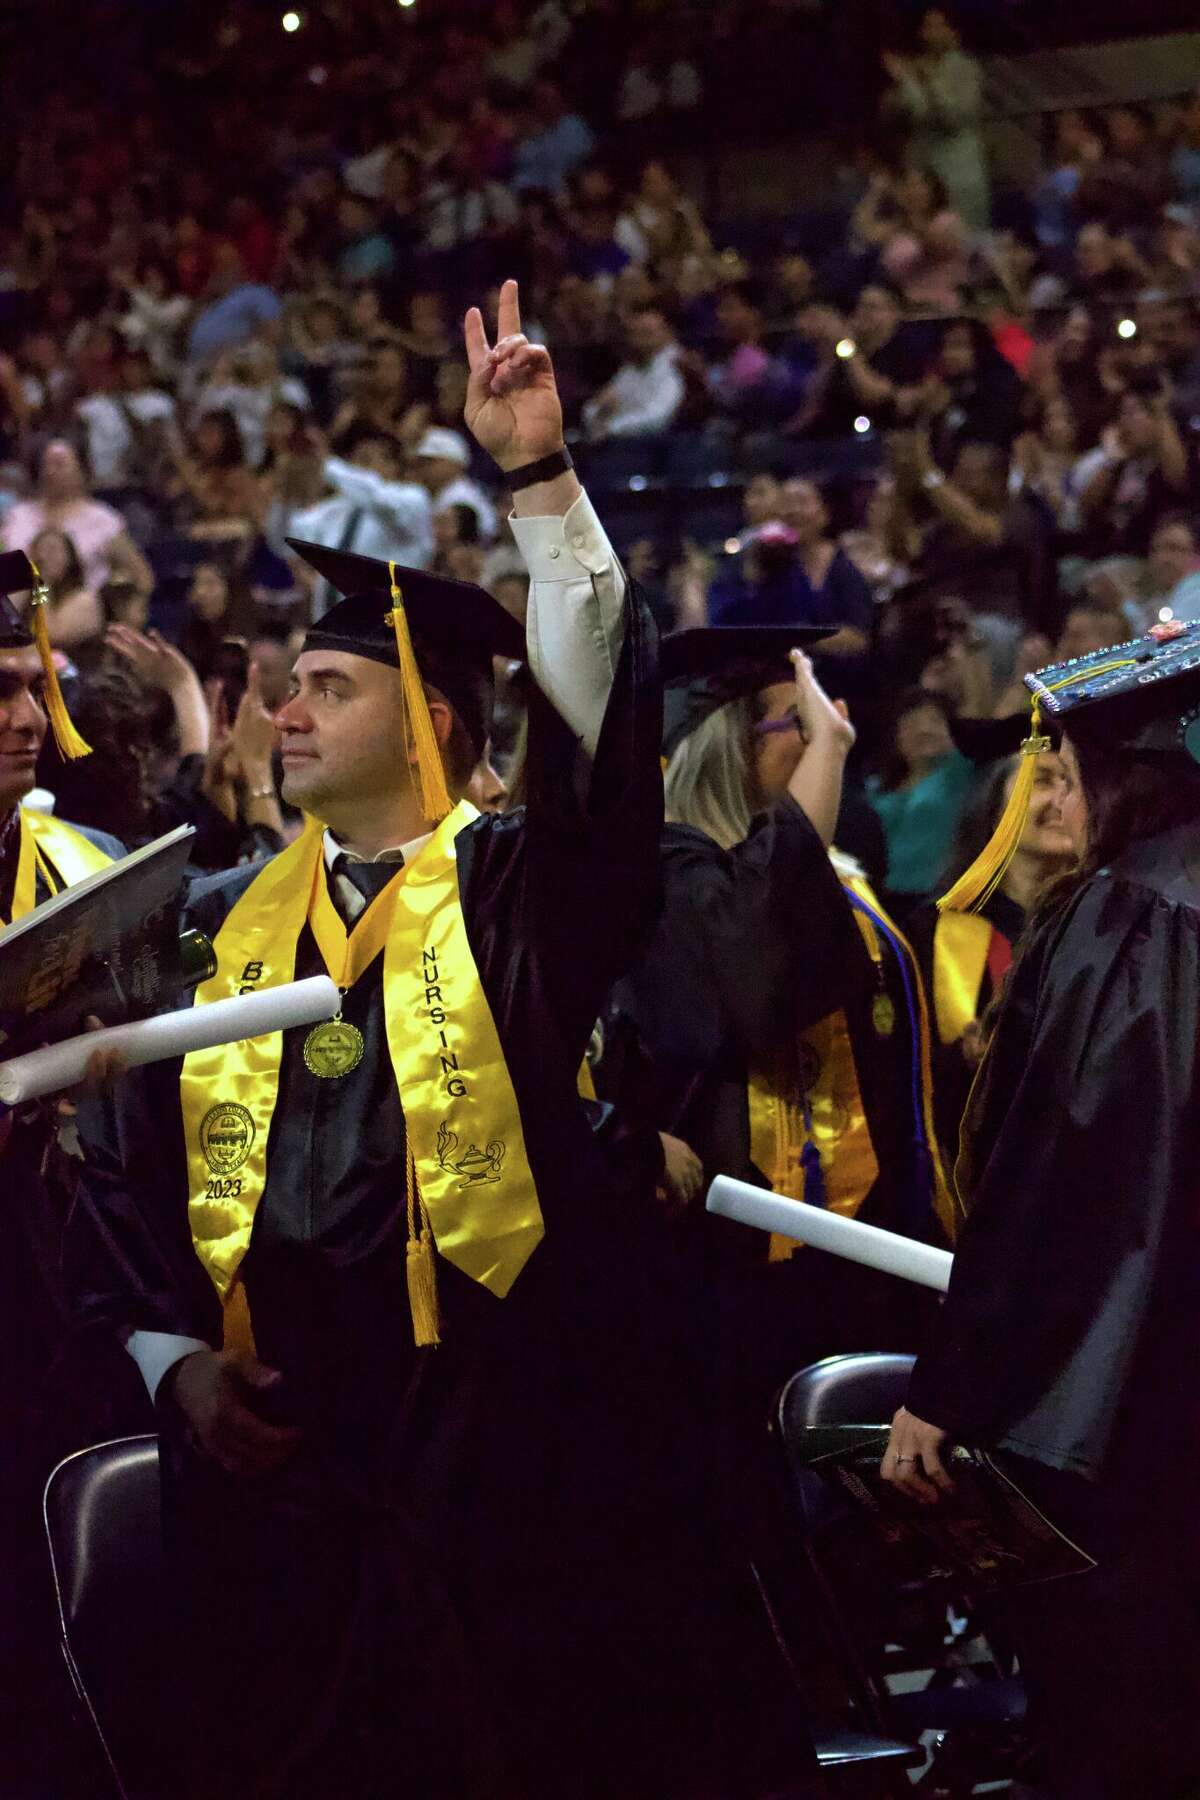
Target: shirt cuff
(155, 1352)
(561, 546)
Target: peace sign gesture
(512, 406)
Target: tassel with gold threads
(975, 887)
(71, 745)
(421, 1268)
(431, 775)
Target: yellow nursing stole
(464, 1127)
(58, 852)
(961, 942)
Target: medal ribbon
(72, 855)
(460, 1110)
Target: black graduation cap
(16, 577)
(706, 667)
(984, 741)
(450, 629)
(1143, 696)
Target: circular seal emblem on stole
(226, 1136)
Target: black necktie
(367, 878)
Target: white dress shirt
(647, 397)
(369, 515)
(574, 631)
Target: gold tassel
(978, 883)
(431, 775)
(421, 1268)
(69, 742)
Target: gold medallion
(333, 1049)
(883, 1015)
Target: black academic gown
(1071, 1333)
(48, 1406)
(481, 1574)
(754, 945)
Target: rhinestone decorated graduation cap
(18, 575)
(1141, 698)
(437, 632)
(705, 668)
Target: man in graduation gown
(39, 856)
(431, 1511)
(1070, 1335)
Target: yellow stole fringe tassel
(975, 887)
(69, 742)
(421, 1267)
(431, 776)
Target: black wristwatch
(545, 469)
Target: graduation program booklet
(988, 1533)
(109, 945)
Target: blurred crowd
(954, 422)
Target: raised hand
(252, 738)
(820, 717)
(159, 663)
(512, 407)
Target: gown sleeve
(1087, 1154)
(575, 878)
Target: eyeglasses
(767, 727)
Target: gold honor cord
(474, 1194)
(63, 855)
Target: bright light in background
(291, 21)
(845, 348)
(732, 546)
(1166, 614)
(407, 2)
(1126, 328)
(862, 424)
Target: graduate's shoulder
(1141, 912)
(101, 840)
(209, 898)
(1166, 866)
(781, 836)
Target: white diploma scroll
(848, 1238)
(60, 1066)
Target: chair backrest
(863, 1388)
(102, 1510)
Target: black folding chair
(862, 1613)
(102, 1510)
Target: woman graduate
(776, 1022)
(1071, 1335)
(964, 956)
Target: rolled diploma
(60, 1066)
(848, 1238)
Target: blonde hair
(710, 781)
